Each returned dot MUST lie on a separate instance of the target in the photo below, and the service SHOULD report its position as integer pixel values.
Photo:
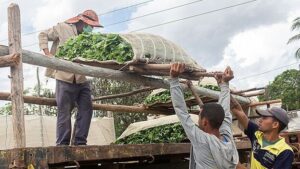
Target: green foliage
(169, 133)
(96, 46)
(165, 96)
(31, 109)
(103, 87)
(211, 87)
(6, 109)
(285, 86)
(295, 26)
(99, 87)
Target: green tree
(296, 26)
(5, 109)
(285, 86)
(31, 109)
(103, 87)
(99, 87)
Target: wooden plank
(164, 69)
(189, 102)
(167, 67)
(14, 40)
(40, 157)
(10, 60)
(58, 64)
(105, 107)
(247, 90)
(256, 93)
(146, 89)
(243, 145)
(30, 99)
(143, 68)
(265, 103)
(5, 159)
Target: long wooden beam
(265, 103)
(164, 69)
(255, 93)
(146, 89)
(104, 107)
(247, 90)
(41, 157)
(58, 64)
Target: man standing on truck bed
(212, 142)
(70, 88)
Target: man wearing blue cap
(269, 150)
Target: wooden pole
(14, 40)
(124, 94)
(10, 60)
(104, 107)
(256, 93)
(40, 108)
(58, 64)
(164, 69)
(247, 90)
(265, 103)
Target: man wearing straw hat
(71, 88)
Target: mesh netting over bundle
(144, 54)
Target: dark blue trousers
(67, 94)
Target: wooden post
(40, 108)
(104, 107)
(14, 40)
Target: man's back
(208, 151)
(213, 154)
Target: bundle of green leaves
(211, 87)
(169, 133)
(165, 96)
(96, 46)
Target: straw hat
(89, 17)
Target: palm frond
(294, 38)
(296, 19)
(296, 24)
(297, 54)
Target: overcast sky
(251, 38)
